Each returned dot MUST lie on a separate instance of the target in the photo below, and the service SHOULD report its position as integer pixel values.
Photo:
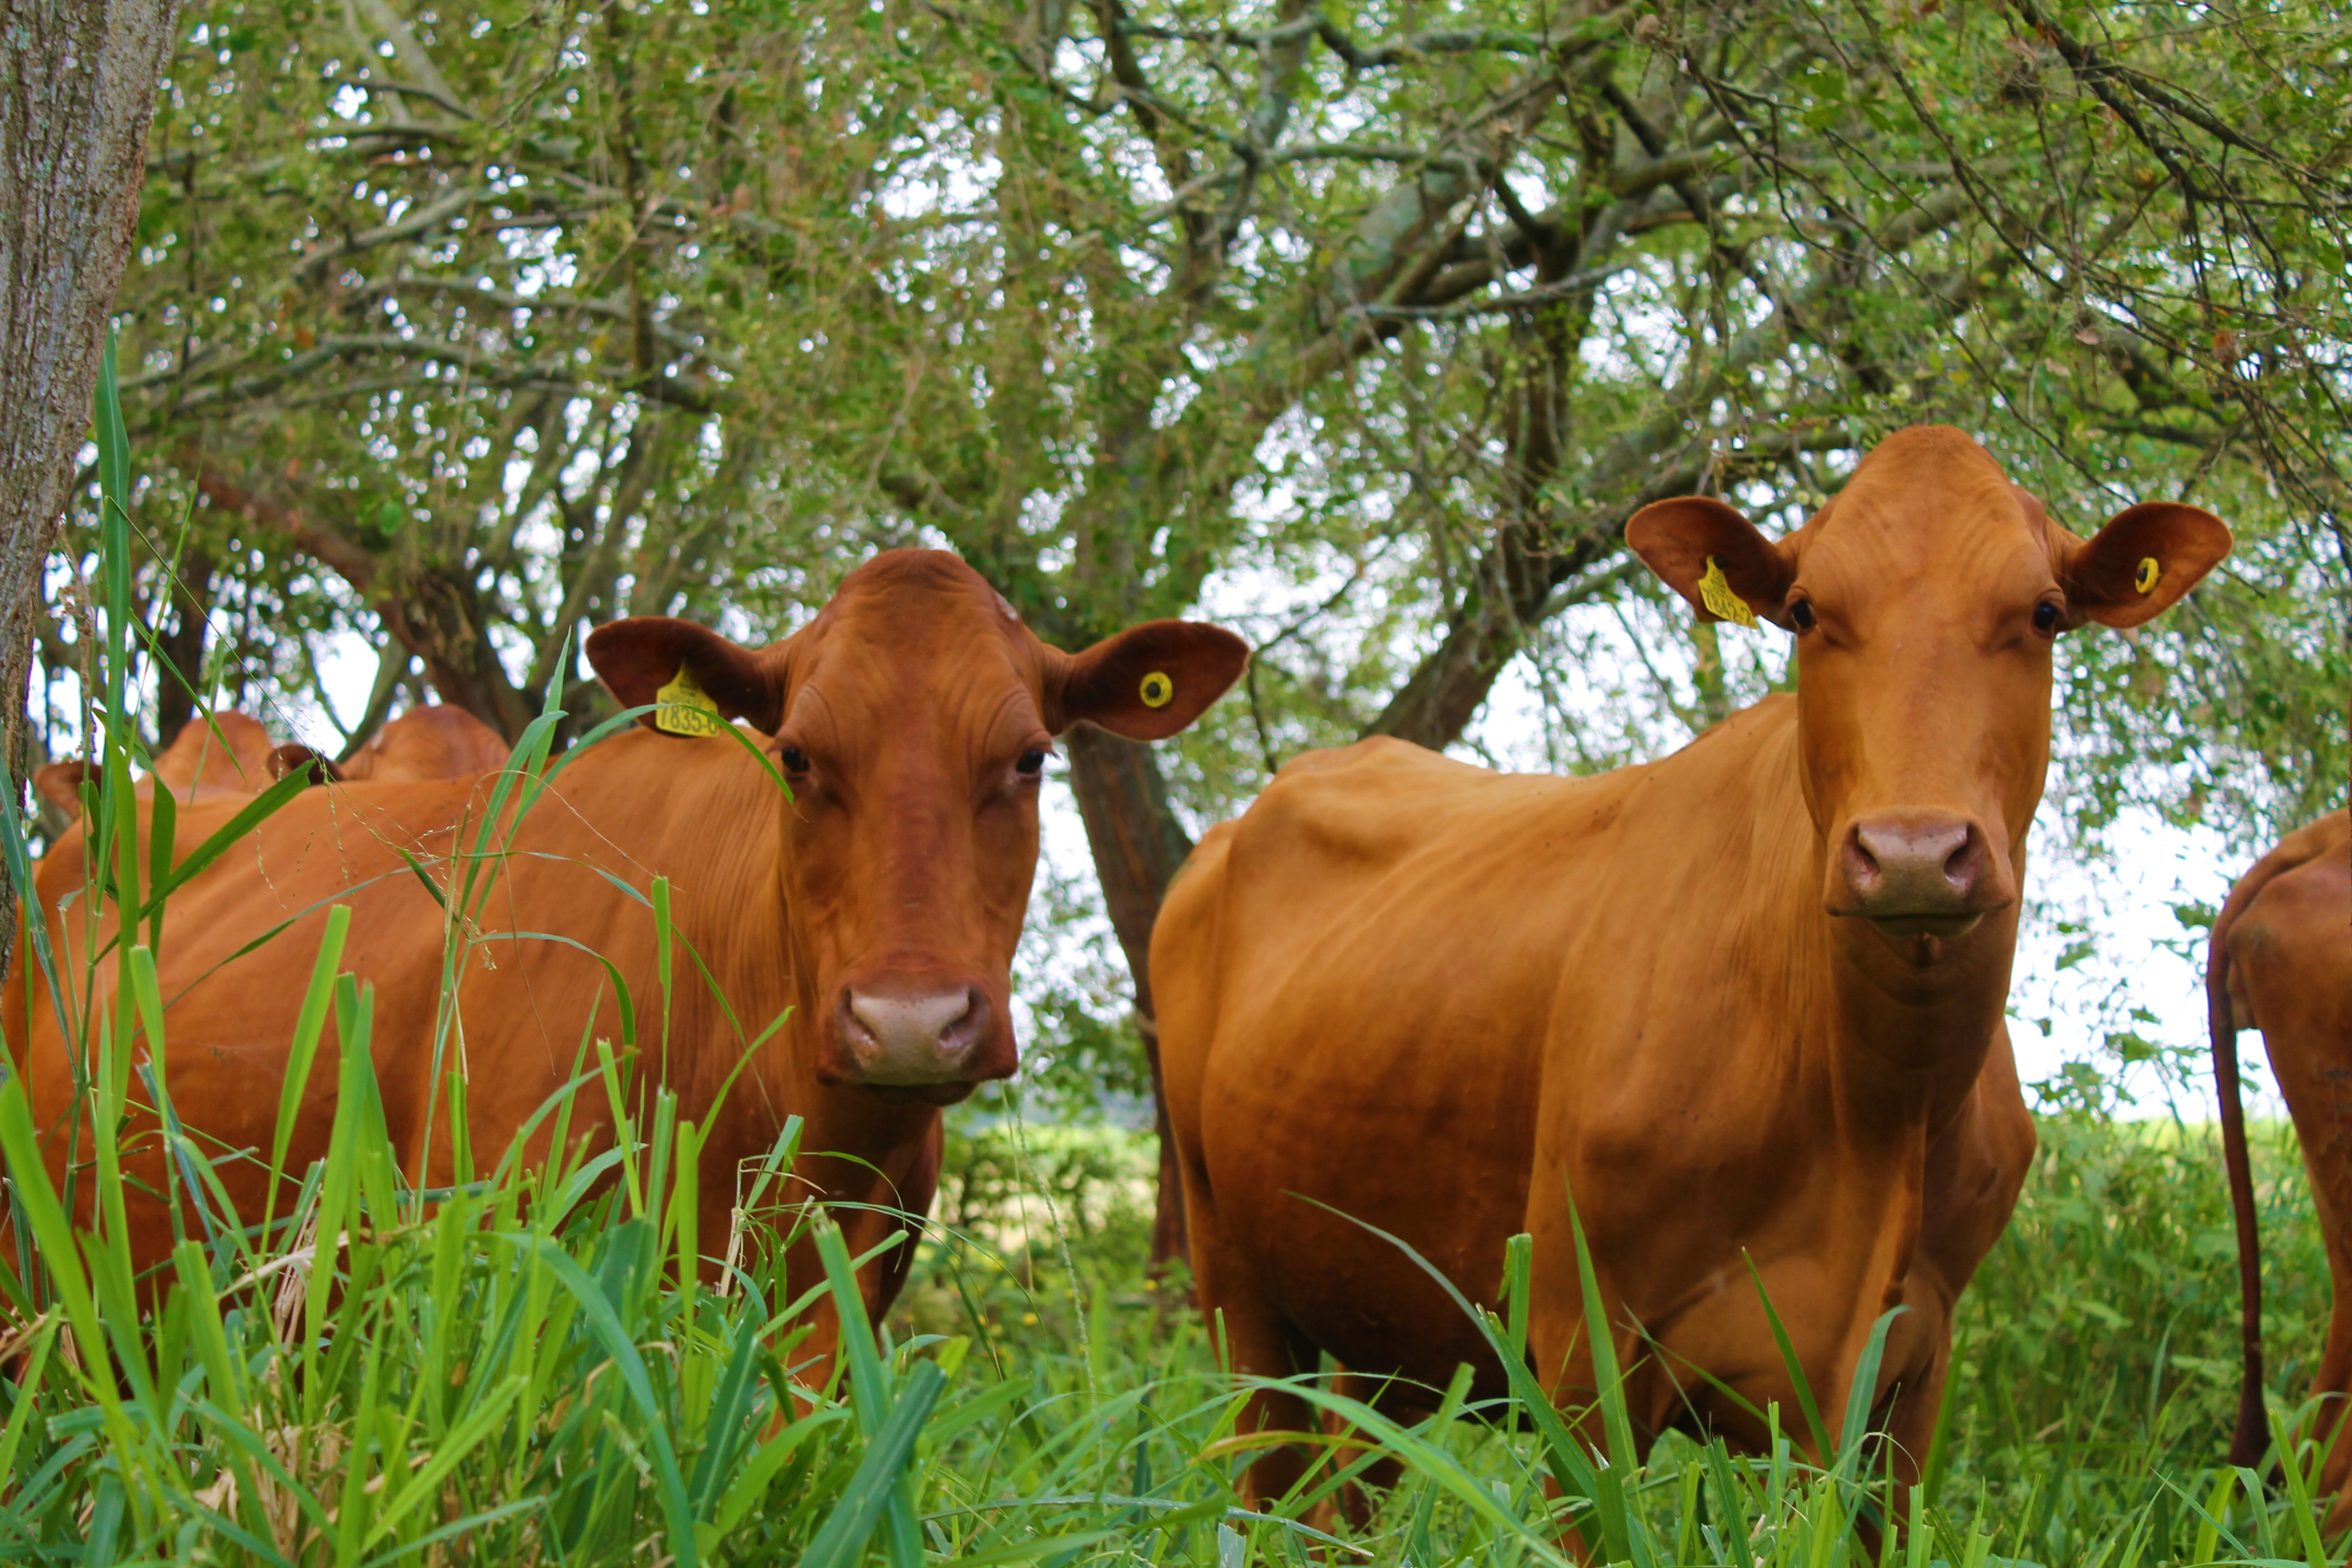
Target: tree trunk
(181, 681)
(78, 87)
(1137, 847)
(440, 616)
(1444, 693)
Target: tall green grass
(528, 1367)
(2090, 1399)
(521, 1366)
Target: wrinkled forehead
(1926, 507)
(926, 639)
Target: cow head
(913, 718)
(1925, 599)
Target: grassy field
(491, 1385)
(2095, 1378)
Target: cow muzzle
(917, 1037)
(1918, 874)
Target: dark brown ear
(1148, 683)
(285, 759)
(2140, 565)
(60, 782)
(638, 658)
(1677, 538)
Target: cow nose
(1929, 871)
(913, 1037)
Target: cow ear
(1148, 683)
(60, 782)
(697, 678)
(1704, 549)
(285, 759)
(2140, 564)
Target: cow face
(913, 718)
(1925, 599)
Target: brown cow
(228, 753)
(875, 910)
(434, 741)
(232, 755)
(2281, 962)
(1744, 1003)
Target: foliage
(505, 318)
(2093, 1393)
(2104, 1327)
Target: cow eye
(1031, 764)
(2045, 617)
(795, 761)
(1802, 612)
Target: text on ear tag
(1158, 690)
(1715, 593)
(685, 708)
(2150, 569)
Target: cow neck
(1904, 1046)
(1909, 1055)
(703, 813)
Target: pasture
(491, 1387)
(524, 1366)
(980, 425)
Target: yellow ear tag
(1157, 690)
(1715, 593)
(2150, 569)
(685, 709)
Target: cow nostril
(1862, 868)
(965, 1029)
(1965, 863)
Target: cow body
(2281, 962)
(217, 756)
(635, 806)
(432, 741)
(228, 755)
(1592, 987)
(1740, 1006)
(873, 910)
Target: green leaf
(842, 1538)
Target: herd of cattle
(1736, 1016)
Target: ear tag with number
(1158, 690)
(685, 709)
(1715, 592)
(2150, 569)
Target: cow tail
(2253, 1433)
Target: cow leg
(1563, 1358)
(1258, 1342)
(886, 1209)
(911, 1208)
(1254, 1340)
(2332, 1382)
(2312, 1072)
(1354, 1501)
